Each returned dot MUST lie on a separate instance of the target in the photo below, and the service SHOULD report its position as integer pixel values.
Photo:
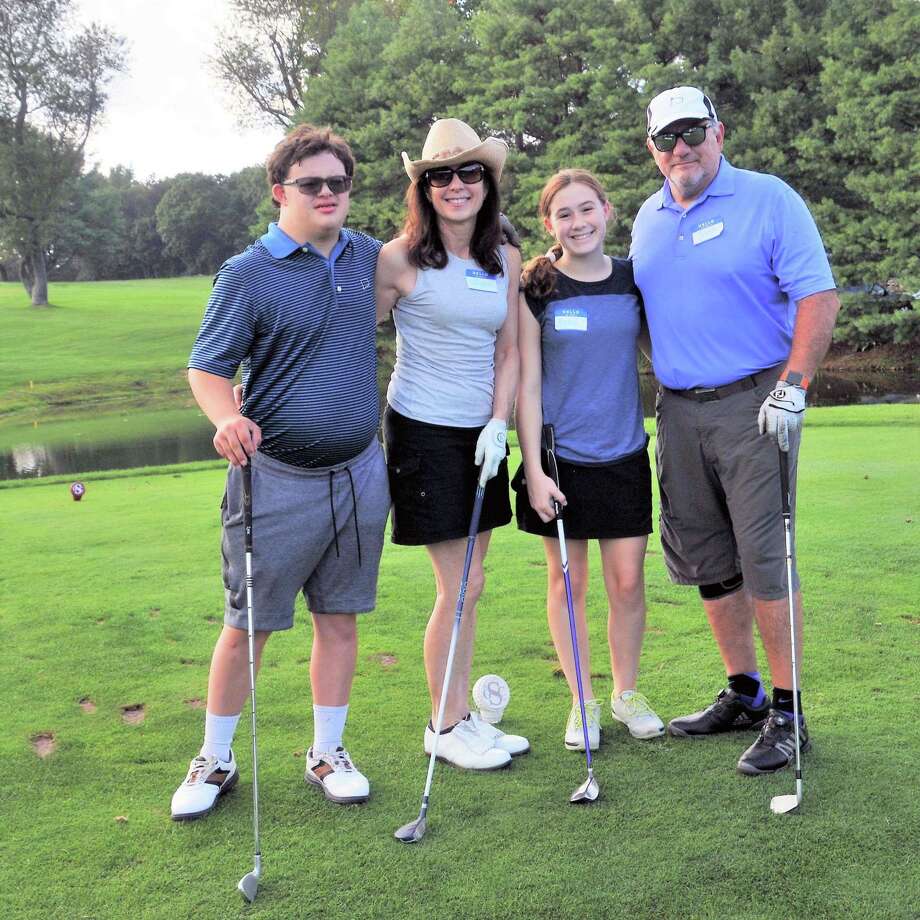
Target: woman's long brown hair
(426, 248)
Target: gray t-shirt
(445, 344)
(588, 333)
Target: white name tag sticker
(478, 280)
(571, 319)
(708, 230)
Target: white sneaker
(207, 780)
(337, 776)
(515, 745)
(633, 710)
(575, 736)
(463, 746)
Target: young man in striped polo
(296, 311)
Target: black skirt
(606, 502)
(433, 479)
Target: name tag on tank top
(571, 319)
(478, 280)
(708, 230)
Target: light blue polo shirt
(721, 280)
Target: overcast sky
(168, 114)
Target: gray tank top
(445, 344)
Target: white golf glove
(490, 448)
(782, 412)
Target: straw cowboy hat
(451, 142)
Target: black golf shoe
(728, 713)
(775, 748)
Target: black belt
(707, 394)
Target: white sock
(328, 727)
(218, 735)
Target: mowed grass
(116, 602)
(103, 347)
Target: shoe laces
(342, 762)
(200, 769)
(636, 705)
(592, 712)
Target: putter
(783, 804)
(415, 830)
(249, 883)
(589, 790)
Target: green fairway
(116, 602)
(103, 348)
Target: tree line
(115, 226)
(824, 93)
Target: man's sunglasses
(312, 185)
(442, 176)
(692, 137)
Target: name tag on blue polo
(571, 319)
(478, 280)
(707, 230)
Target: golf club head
(249, 886)
(586, 793)
(784, 804)
(413, 831)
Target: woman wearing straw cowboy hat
(453, 289)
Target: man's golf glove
(782, 412)
(490, 448)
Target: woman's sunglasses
(692, 137)
(442, 176)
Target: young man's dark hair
(302, 142)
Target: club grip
(247, 504)
(784, 479)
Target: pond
(180, 436)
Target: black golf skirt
(606, 502)
(433, 479)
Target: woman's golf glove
(782, 412)
(490, 448)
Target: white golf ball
(491, 695)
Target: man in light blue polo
(741, 304)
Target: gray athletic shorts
(309, 528)
(721, 506)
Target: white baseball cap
(676, 104)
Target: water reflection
(36, 459)
(32, 460)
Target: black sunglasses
(442, 176)
(312, 185)
(692, 137)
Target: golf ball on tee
(491, 695)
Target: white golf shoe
(207, 780)
(337, 776)
(633, 710)
(515, 745)
(463, 746)
(574, 736)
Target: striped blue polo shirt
(303, 327)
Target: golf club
(783, 804)
(249, 883)
(589, 790)
(415, 830)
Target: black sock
(782, 700)
(449, 728)
(748, 686)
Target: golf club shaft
(787, 528)
(573, 630)
(247, 528)
(455, 632)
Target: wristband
(795, 379)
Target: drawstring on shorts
(354, 504)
